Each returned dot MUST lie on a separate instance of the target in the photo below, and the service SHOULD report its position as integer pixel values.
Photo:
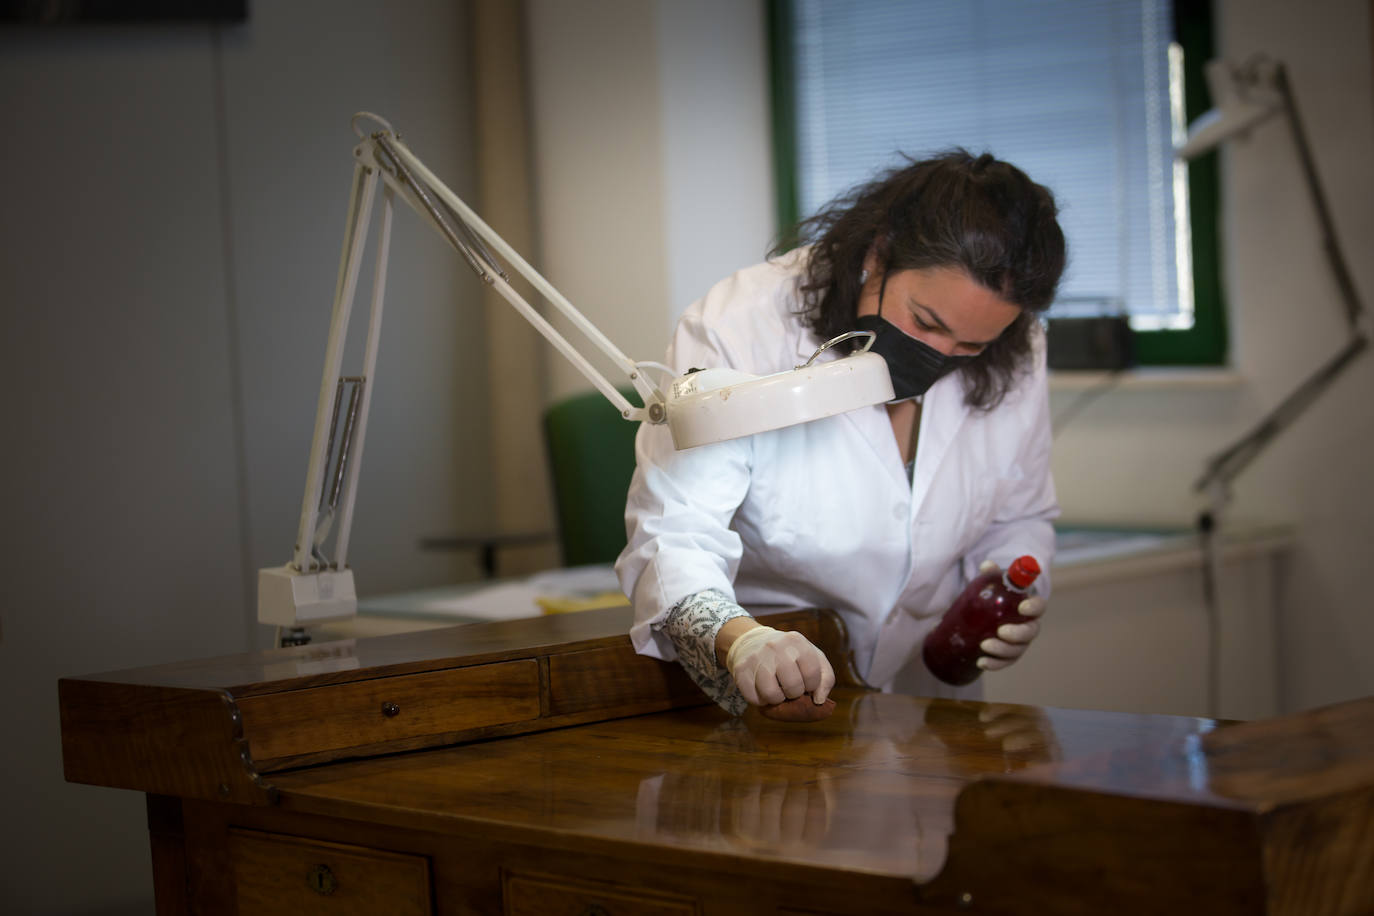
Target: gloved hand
(1012, 638)
(770, 666)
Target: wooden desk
(541, 767)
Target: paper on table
(505, 601)
(573, 581)
(513, 600)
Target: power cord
(1086, 397)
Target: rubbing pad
(799, 709)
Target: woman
(882, 514)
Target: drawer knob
(595, 909)
(321, 880)
(390, 710)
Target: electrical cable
(1092, 393)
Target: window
(1086, 95)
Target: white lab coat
(822, 514)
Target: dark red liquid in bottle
(951, 650)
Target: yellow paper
(556, 605)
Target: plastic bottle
(951, 650)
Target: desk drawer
(546, 895)
(288, 876)
(389, 709)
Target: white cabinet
(1127, 627)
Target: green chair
(592, 454)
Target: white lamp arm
(462, 228)
(1245, 95)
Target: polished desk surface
(551, 734)
(871, 788)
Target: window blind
(1083, 95)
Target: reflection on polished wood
(544, 767)
(872, 787)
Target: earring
(863, 276)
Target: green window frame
(1205, 343)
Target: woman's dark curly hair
(978, 214)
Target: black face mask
(913, 365)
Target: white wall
(1133, 454)
(651, 152)
(165, 314)
(717, 150)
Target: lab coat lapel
(870, 422)
(943, 411)
(874, 426)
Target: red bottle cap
(1023, 571)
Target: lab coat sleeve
(679, 509)
(1023, 519)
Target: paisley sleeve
(692, 625)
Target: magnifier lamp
(704, 406)
(1246, 95)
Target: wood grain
(344, 661)
(871, 787)
(157, 739)
(285, 708)
(548, 895)
(287, 876)
(379, 711)
(167, 842)
(1274, 816)
(610, 678)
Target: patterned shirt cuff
(692, 625)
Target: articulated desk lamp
(1246, 95)
(700, 407)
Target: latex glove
(770, 666)
(1012, 639)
